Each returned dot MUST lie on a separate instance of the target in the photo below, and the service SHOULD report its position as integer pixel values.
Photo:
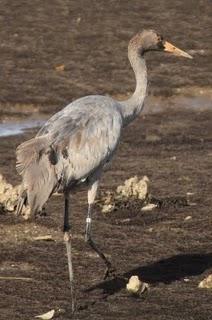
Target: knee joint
(67, 236)
(66, 228)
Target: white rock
(206, 283)
(46, 316)
(133, 187)
(188, 218)
(9, 196)
(135, 286)
(107, 208)
(149, 207)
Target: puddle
(153, 104)
(15, 128)
(160, 104)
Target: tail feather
(38, 173)
(21, 202)
(29, 152)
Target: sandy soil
(173, 148)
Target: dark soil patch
(169, 252)
(172, 148)
(91, 42)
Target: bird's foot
(110, 272)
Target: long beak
(177, 52)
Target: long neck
(133, 106)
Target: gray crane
(74, 145)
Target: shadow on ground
(165, 271)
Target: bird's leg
(91, 197)
(67, 239)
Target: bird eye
(160, 45)
(160, 38)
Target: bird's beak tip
(168, 47)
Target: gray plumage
(77, 141)
(74, 144)
(73, 147)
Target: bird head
(150, 40)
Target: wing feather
(85, 135)
(70, 147)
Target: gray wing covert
(70, 146)
(84, 140)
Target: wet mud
(54, 52)
(163, 247)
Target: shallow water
(178, 102)
(15, 128)
(153, 104)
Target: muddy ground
(169, 252)
(90, 40)
(173, 148)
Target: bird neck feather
(132, 107)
